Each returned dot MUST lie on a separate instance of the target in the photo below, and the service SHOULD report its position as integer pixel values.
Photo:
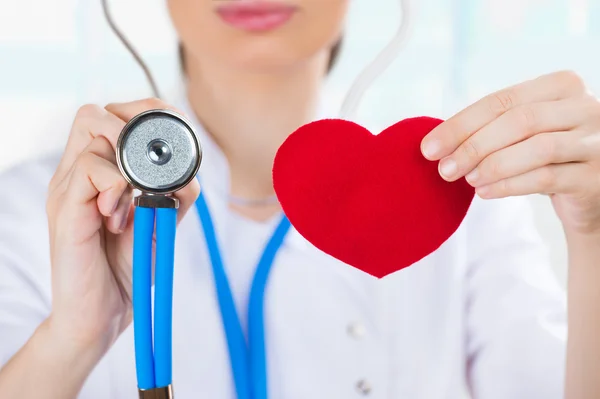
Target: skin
(235, 82)
(90, 223)
(541, 136)
(238, 81)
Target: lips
(256, 16)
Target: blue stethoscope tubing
(153, 352)
(248, 360)
(153, 356)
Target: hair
(334, 55)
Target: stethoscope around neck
(158, 152)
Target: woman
(482, 310)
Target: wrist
(577, 239)
(584, 265)
(49, 365)
(57, 342)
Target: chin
(261, 63)
(272, 57)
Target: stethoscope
(158, 153)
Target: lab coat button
(364, 387)
(357, 330)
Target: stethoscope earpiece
(158, 153)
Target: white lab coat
(483, 311)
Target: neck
(250, 114)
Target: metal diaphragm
(158, 152)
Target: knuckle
(502, 188)
(88, 111)
(582, 148)
(502, 101)
(84, 161)
(470, 150)
(101, 147)
(546, 147)
(572, 79)
(100, 143)
(546, 178)
(120, 182)
(592, 105)
(152, 103)
(492, 169)
(527, 116)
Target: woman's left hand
(541, 136)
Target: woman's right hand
(90, 217)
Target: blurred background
(57, 55)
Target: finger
(187, 197)
(98, 147)
(538, 151)
(103, 151)
(568, 178)
(95, 179)
(445, 138)
(513, 127)
(126, 111)
(117, 221)
(90, 122)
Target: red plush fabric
(371, 201)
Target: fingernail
(472, 176)
(124, 220)
(114, 208)
(431, 148)
(448, 168)
(120, 217)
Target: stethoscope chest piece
(158, 152)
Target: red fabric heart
(371, 201)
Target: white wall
(57, 55)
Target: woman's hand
(90, 220)
(541, 136)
